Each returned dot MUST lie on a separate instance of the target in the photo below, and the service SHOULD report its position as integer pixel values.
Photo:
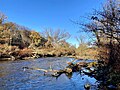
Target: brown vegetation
(84, 50)
(23, 43)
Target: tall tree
(105, 25)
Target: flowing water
(14, 77)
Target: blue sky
(40, 14)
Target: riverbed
(14, 77)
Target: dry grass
(88, 53)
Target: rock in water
(68, 70)
(87, 86)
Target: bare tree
(105, 25)
(2, 18)
(55, 37)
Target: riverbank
(14, 53)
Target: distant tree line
(16, 35)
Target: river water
(14, 77)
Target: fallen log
(49, 72)
(68, 70)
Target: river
(14, 77)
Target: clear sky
(40, 14)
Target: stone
(87, 86)
(68, 70)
